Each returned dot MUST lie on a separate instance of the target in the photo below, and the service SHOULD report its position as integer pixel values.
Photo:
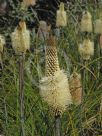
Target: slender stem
(57, 125)
(101, 111)
(6, 114)
(98, 55)
(82, 98)
(21, 89)
(6, 117)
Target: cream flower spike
(54, 87)
(86, 49)
(86, 22)
(21, 38)
(98, 26)
(61, 17)
(76, 88)
(52, 64)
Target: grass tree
(54, 87)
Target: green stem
(98, 54)
(82, 97)
(21, 89)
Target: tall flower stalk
(86, 50)
(98, 32)
(54, 87)
(21, 90)
(21, 43)
(2, 43)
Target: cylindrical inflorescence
(86, 22)
(76, 88)
(61, 16)
(54, 87)
(86, 49)
(52, 64)
(98, 26)
(21, 38)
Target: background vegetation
(85, 118)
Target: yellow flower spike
(86, 22)
(86, 49)
(61, 17)
(98, 26)
(54, 87)
(76, 88)
(21, 38)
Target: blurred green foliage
(38, 120)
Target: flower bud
(21, 38)
(76, 88)
(98, 26)
(61, 17)
(86, 22)
(43, 31)
(86, 49)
